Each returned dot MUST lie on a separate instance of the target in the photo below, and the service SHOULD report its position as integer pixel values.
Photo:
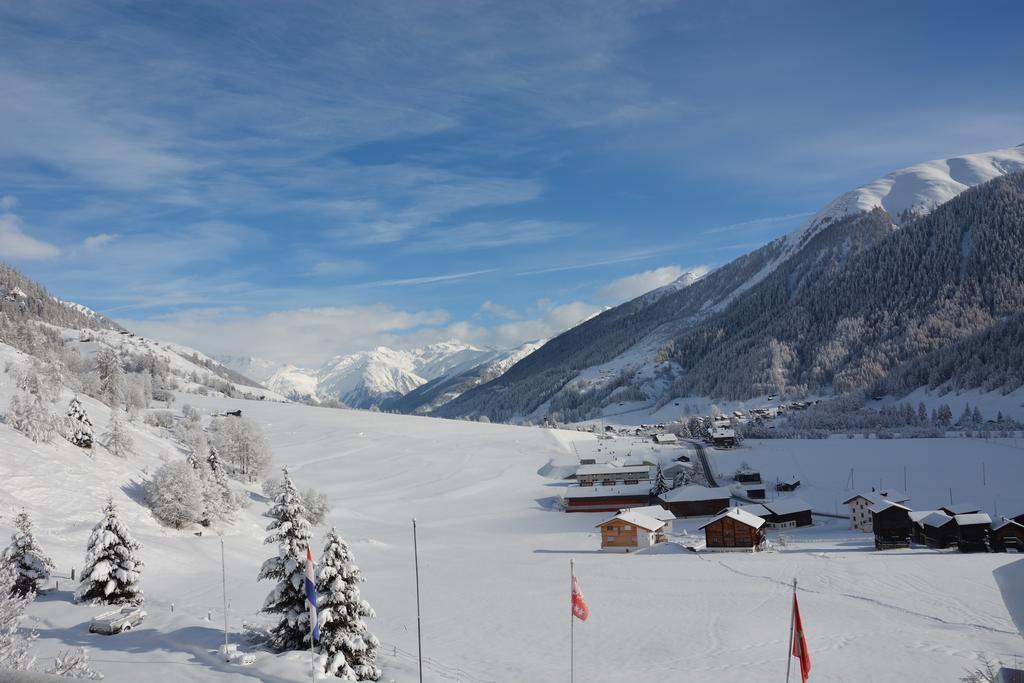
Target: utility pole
(224, 590)
(419, 636)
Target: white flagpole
(224, 587)
(792, 623)
(572, 622)
(312, 652)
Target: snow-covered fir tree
(290, 531)
(26, 561)
(112, 570)
(117, 439)
(74, 664)
(660, 485)
(79, 426)
(14, 647)
(30, 416)
(349, 649)
(113, 383)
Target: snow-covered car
(117, 621)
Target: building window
(627, 527)
(608, 482)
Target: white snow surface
(494, 558)
(918, 188)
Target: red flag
(800, 643)
(579, 605)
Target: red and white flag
(579, 605)
(800, 643)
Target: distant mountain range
(886, 274)
(415, 380)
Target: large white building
(860, 516)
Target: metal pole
(224, 590)
(419, 637)
(792, 616)
(312, 652)
(572, 623)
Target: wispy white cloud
(96, 241)
(15, 243)
(499, 310)
(426, 279)
(632, 286)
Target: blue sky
(303, 179)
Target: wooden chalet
(934, 529)
(972, 532)
(734, 529)
(755, 491)
(723, 437)
(891, 525)
(860, 517)
(695, 501)
(631, 530)
(791, 484)
(1007, 535)
(789, 512)
(606, 498)
(960, 509)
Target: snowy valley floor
(494, 561)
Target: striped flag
(311, 594)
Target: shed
(631, 530)
(695, 501)
(734, 529)
(972, 532)
(891, 525)
(791, 484)
(788, 512)
(755, 492)
(938, 530)
(1007, 535)
(745, 475)
(606, 498)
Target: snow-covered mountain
(646, 350)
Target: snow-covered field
(494, 561)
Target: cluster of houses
(894, 525)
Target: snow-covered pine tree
(117, 439)
(27, 563)
(350, 649)
(112, 570)
(30, 416)
(290, 531)
(113, 384)
(14, 647)
(660, 486)
(74, 664)
(79, 426)
(213, 460)
(192, 461)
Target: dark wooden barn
(734, 529)
(891, 525)
(938, 530)
(695, 501)
(788, 485)
(606, 498)
(1007, 535)
(972, 530)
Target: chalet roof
(1006, 523)
(873, 497)
(936, 519)
(787, 506)
(918, 515)
(722, 431)
(972, 519)
(886, 505)
(693, 494)
(607, 491)
(666, 438)
(960, 509)
(638, 519)
(756, 509)
(655, 511)
(605, 468)
(740, 516)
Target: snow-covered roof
(878, 496)
(935, 519)
(655, 511)
(973, 518)
(666, 438)
(961, 508)
(756, 509)
(1007, 522)
(607, 468)
(602, 491)
(739, 515)
(722, 431)
(885, 505)
(637, 518)
(787, 506)
(695, 493)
